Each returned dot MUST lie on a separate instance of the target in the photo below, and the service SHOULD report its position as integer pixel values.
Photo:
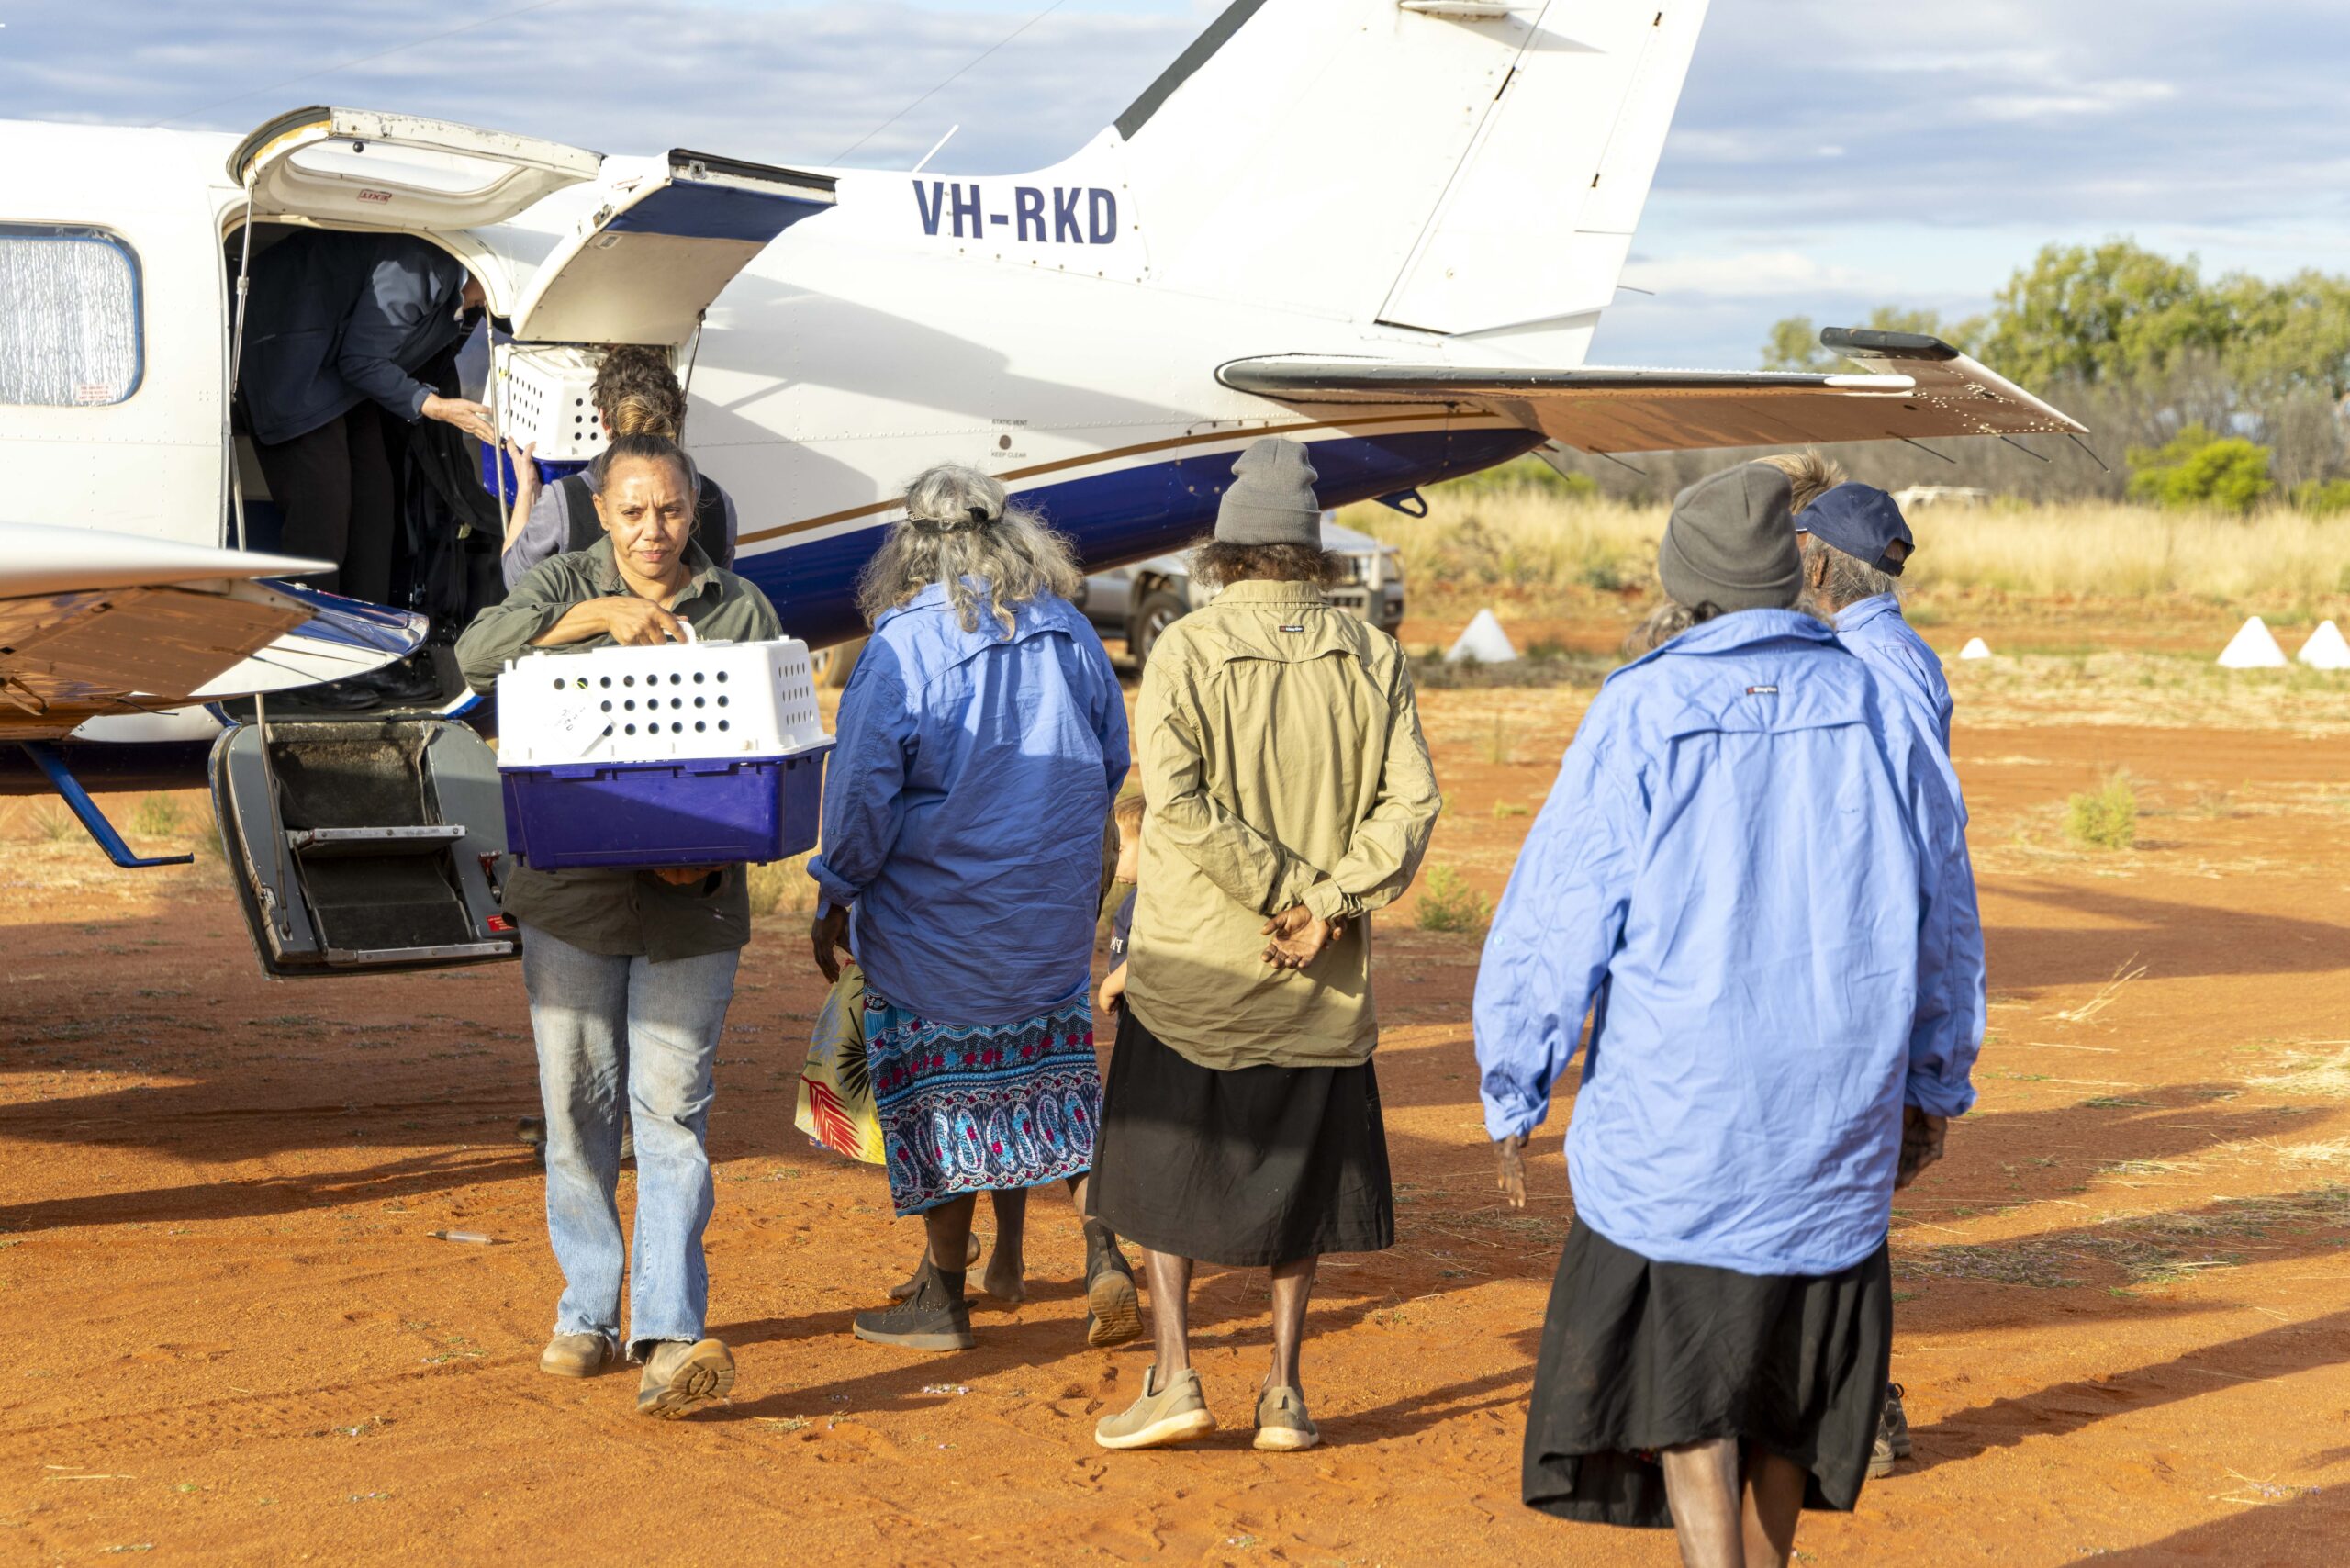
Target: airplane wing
(93, 623)
(1922, 387)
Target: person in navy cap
(1853, 543)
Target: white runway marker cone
(1483, 642)
(2326, 649)
(2253, 647)
(1977, 648)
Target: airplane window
(71, 334)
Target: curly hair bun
(637, 392)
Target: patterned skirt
(982, 1107)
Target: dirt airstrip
(226, 1334)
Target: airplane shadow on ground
(2065, 1408)
(2175, 941)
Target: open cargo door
(360, 845)
(389, 170)
(644, 266)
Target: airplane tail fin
(1455, 165)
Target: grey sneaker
(577, 1355)
(681, 1376)
(936, 1317)
(1892, 1435)
(1175, 1414)
(1283, 1425)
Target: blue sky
(1828, 154)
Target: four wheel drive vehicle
(1138, 602)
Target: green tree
(2287, 337)
(2196, 468)
(2115, 313)
(1965, 336)
(1794, 345)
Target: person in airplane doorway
(982, 740)
(1288, 793)
(1854, 541)
(337, 328)
(1751, 875)
(635, 393)
(628, 972)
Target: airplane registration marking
(758, 535)
(1082, 214)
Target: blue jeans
(598, 1020)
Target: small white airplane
(1385, 228)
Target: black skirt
(1639, 1356)
(1249, 1167)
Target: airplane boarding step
(364, 844)
(342, 842)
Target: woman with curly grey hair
(982, 740)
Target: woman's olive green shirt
(619, 912)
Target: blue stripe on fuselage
(1131, 514)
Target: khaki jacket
(1282, 762)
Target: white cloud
(1828, 154)
(1753, 274)
(782, 82)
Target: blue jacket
(1875, 630)
(964, 804)
(1750, 866)
(334, 318)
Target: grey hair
(961, 529)
(1849, 580)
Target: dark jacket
(333, 319)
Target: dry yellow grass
(2274, 562)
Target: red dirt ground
(2124, 1300)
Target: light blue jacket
(1875, 630)
(964, 808)
(1750, 868)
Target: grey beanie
(1272, 498)
(1730, 542)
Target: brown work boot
(680, 1377)
(1112, 1310)
(577, 1355)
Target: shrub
(2104, 817)
(2195, 468)
(1449, 904)
(1522, 473)
(158, 816)
(2322, 498)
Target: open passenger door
(644, 266)
(388, 171)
